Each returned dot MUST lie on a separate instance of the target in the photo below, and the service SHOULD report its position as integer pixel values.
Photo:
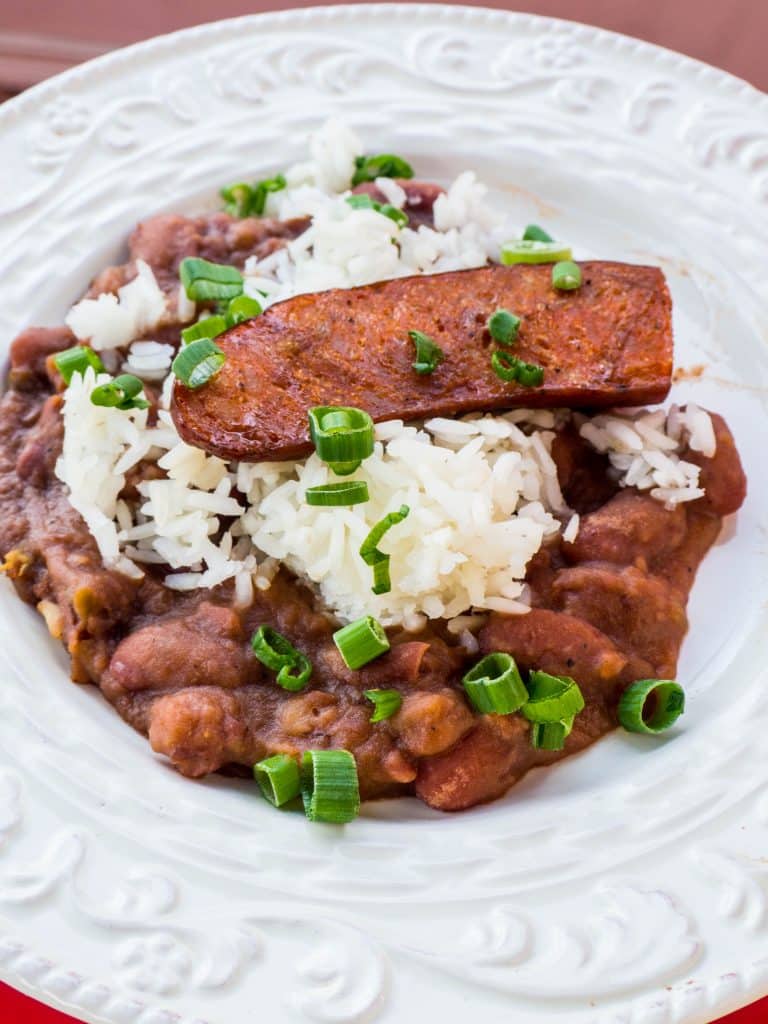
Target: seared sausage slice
(608, 343)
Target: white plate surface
(630, 884)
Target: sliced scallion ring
(362, 201)
(566, 276)
(529, 375)
(428, 354)
(494, 685)
(278, 778)
(533, 233)
(386, 703)
(379, 560)
(276, 652)
(361, 641)
(505, 366)
(350, 492)
(241, 308)
(384, 165)
(329, 786)
(651, 705)
(262, 189)
(210, 327)
(120, 393)
(532, 251)
(342, 436)
(550, 735)
(198, 362)
(503, 326)
(552, 698)
(204, 281)
(76, 360)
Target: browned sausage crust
(608, 343)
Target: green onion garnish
(566, 276)
(329, 786)
(237, 198)
(210, 327)
(244, 200)
(278, 779)
(533, 233)
(494, 685)
(76, 360)
(342, 436)
(378, 560)
(509, 368)
(529, 375)
(241, 308)
(550, 735)
(386, 703)
(531, 251)
(364, 202)
(273, 650)
(204, 281)
(385, 165)
(120, 393)
(361, 641)
(503, 326)
(428, 354)
(651, 705)
(351, 492)
(552, 698)
(199, 361)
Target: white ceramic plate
(627, 885)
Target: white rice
(482, 490)
(644, 449)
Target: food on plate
(607, 344)
(429, 604)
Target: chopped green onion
(494, 685)
(262, 189)
(503, 326)
(238, 198)
(385, 165)
(385, 702)
(530, 375)
(278, 778)
(351, 492)
(365, 202)
(566, 276)
(342, 436)
(665, 697)
(329, 786)
(378, 560)
(120, 393)
(428, 354)
(533, 233)
(509, 368)
(552, 698)
(244, 200)
(361, 641)
(550, 735)
(505, 365)
(273, 650)
(204, 281)
(196, 363)
(76, 360)
(210, 327)
(241, 308)
(531, 251)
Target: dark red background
(40, 38)
(17, 1009)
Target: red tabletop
(17, 1009)
(731, 36)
